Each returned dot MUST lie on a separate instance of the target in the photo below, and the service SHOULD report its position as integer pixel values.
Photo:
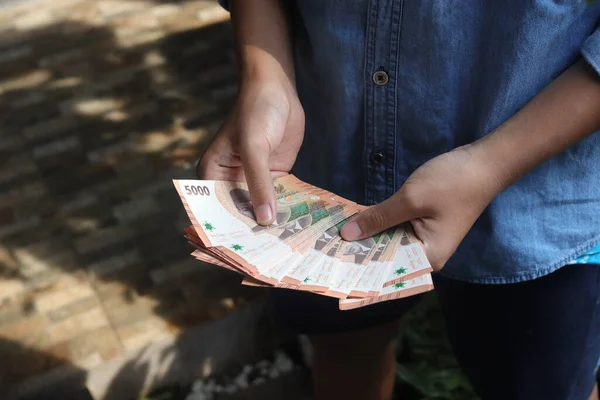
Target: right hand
(258, 141)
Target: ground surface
(102, 103)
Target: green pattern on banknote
(400, 271)
(318, 215)
(306, 280)
(208, 226)
(298, 210)
(339, 225)
(399, 285)
(388, 232)
(237, 247)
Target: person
(472, 120)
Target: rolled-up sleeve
(591, 50)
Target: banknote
(399, 290)
(302, 250)
(222, 216)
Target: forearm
(263, 42)
(567, 111)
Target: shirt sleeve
(224, 4)
(591, 50)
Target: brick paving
(102, 103)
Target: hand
(441, 199)
(258, 142)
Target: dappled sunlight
(94, 107)
(103, 104)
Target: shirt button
(380, 78)
(377, 157)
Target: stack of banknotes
(302, 249)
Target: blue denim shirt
(387, 85)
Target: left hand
(442, 200)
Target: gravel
(248, 376)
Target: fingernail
(263, 214)
(351, 231)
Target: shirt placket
(381, 66)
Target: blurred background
(102, 103)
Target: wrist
(492, 174)
(265, 72)
(267, 76)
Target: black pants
(533, 340)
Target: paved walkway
(102, 103)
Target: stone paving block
(10, 144)
(16, 166)
(115, 263)
(56, 148)
(138, 169)
(28, 99)
(164, 10)
(75, 325)
(130, 38)
(79, 11)
(111, 152)
(8, 263)
(103, 238)
(24, 327)
(91, 106)
(136, 209)
(89, 219)
(43, 280)
(10, 287)
(9, 36)
(123, 310)
(34, 20)
(19, 226)
(13, 310)
(94, 347)
(54, 60)
(28, 80)
(16, 53)
(157, 254)
(70, 83)
(74, 308)
(136, 22)
(107, 288)
(22, 193)
(7, 217)
(33, 264)
(177, 270)
(64, 293)
(48, 129)
(142, 333)
(77, 203)
(212, 14)
(112, 9)
(153, 188)
(28, 108)
(82, 178)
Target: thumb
(255, 162)
(378, 218)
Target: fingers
(255, 161)
(393, 211)
(208, 164)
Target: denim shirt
(388, 84)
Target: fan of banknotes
(302, 249)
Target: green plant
(425, 360)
